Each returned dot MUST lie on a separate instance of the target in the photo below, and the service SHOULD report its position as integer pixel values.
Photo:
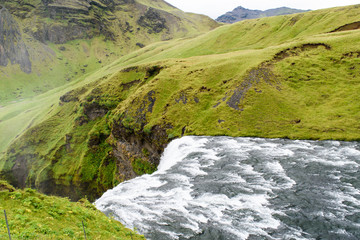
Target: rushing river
(244, 188)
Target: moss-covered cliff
(12, 46)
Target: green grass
(287, 87)
(272, 112)
(32, 215)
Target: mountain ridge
(241, 13)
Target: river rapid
(244, 188)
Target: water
(244, 188)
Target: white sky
(215, 8)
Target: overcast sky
(215, 8)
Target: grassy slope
(32, 215)
(52, 67)
(321, 85)
(304, 93)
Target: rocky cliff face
(59, 21)
(240, 14)
(75, 19)
(12, 46)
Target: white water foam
(176, 150)
(228, 185)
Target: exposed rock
(351, 55)
(69, 97)
(140, 45)
(348, 27)
(81, 121)
(253, 77)
(289, 52)
(130, 69)
(17, 175)
(182, 98)
(65, 7)
(127, 86)
(68, 138)
(183, 130)
(130, 145)
(204, 89)
(153, 21)
(12, 47)
(152, 71)
(146, 106)
(296, 121)
(94, 110)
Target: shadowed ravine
(244, 188)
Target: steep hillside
(49, 43)
(292, 77)
(32, 215)
(240, 14)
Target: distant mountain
(240, 14)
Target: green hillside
(32, 215)
(295, 76)
(51, 43)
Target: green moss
(5, 186)
(141, 166)
(145, 152)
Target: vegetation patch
(32, 215)
(141, 167)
